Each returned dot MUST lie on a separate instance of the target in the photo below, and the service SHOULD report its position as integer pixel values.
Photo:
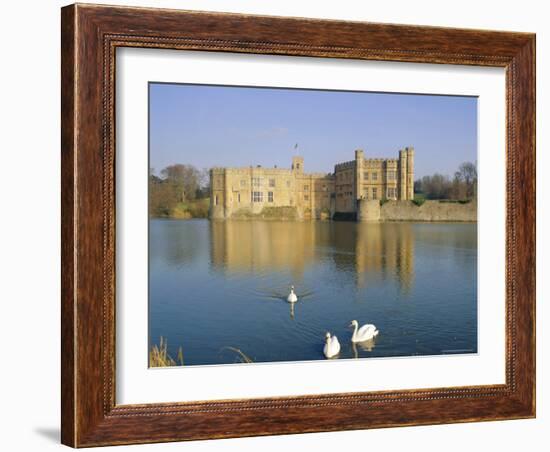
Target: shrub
(199, 208)
(383, 201)
(180, 212)
(455, 201)
(419, 201)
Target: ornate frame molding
(90, 37)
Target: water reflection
(177, 246)
(367, 251)
(245, 246)
(219, 284)
(366, 346)
(387, 250)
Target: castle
(354, 188)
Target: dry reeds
(159, 357)
(242, 355)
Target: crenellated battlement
(344, 165)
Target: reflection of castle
(386, 247)
(237, 191)
(368, 251)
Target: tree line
(180, 190)
(461, 187)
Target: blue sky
(240, 126)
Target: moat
(219, 284)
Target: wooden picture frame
(90, 35)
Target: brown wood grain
(67, 226)
(90, 35)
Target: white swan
(365, 333)
(292, 298)
(332, 346)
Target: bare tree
(162, 197)
(436, 186)
(463, 186)
(185, 179)
(467, 174)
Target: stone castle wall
(429, 211)
(368, 211)
(248, 191)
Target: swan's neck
(354, 331)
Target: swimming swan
(365, 333)
(332, 346)
(292, 298)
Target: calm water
(215, 285)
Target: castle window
(269, 196)
(366, 175)
(391, 194)
(374, 176)
(257, 196)
(243, 182)
(257, 181)
(306, 187)
(216, 200)
(272, 182)
(374, 192)
(391, 175)
(306, 197)
(238, 197)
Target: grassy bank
(197, 208)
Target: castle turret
(218, 193)
(403, 174)
(358, 186)
(298, 164)
(406, 173)
(410, 172)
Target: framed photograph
(281, 225)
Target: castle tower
(403, 167)
(298, 164)
(406, 173)
(410, 172)
(358, 182)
